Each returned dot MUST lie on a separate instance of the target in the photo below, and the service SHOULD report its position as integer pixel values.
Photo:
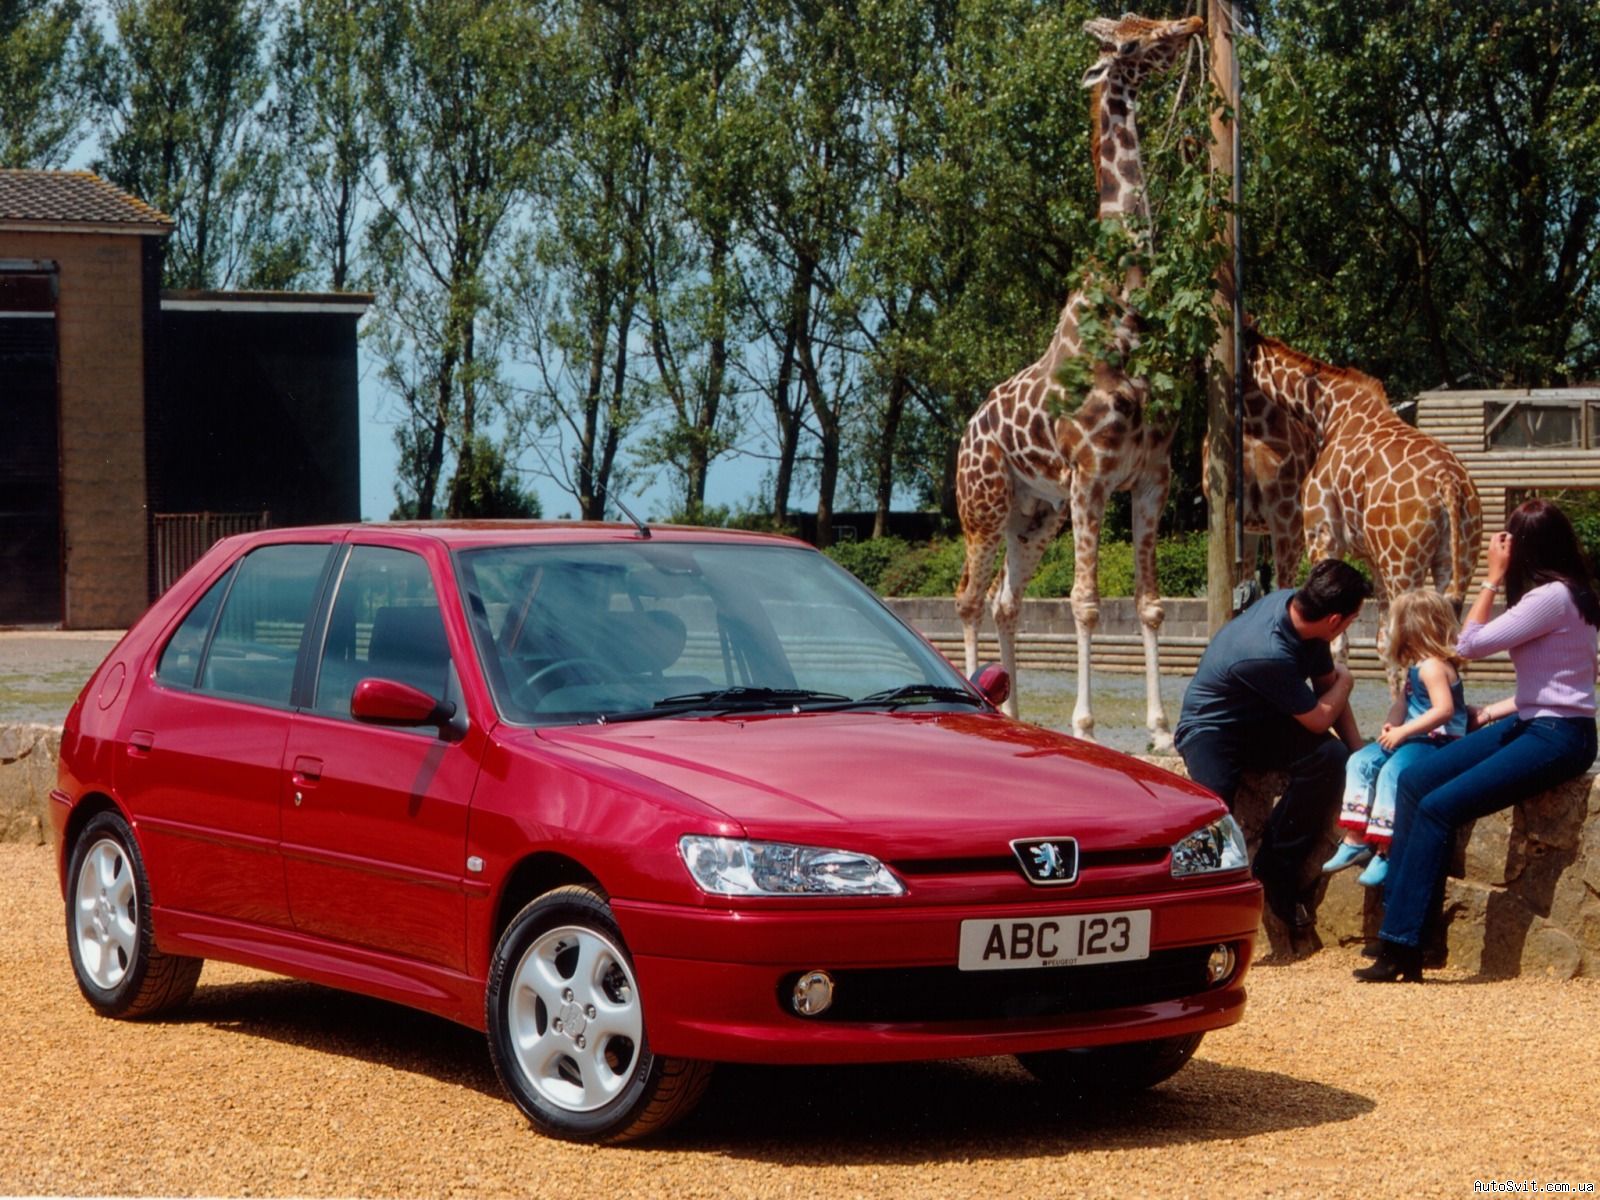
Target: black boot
(1396, 963)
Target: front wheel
(566, 1027)
(114, 956)
(1119, 1069)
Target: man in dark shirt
(1265, 697)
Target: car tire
(566, 1027)
(114, 956)
(1123, 1068)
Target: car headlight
(1219, 846)
(735, 867)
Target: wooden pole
(1222, 562)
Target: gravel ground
(270, 1087)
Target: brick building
(131, 418)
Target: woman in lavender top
(1524, 744)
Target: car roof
(459, 535)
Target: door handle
(307, 770)
(140, 742)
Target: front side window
(385, 624)
(571, 633)
(257, 640)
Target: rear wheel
(1129, 1067)
(114, 956)
(566, 1027)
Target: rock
(1556, 817)
(1488, 849)
(1552, 952)
(1465, 906)
(1348, 912)
(27, 773)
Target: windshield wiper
(913, 693)
(725, 700)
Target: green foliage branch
(1163, 328)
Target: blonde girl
(1430, 712)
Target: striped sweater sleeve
(1538, 612)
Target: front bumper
(713, 981)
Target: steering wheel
(583, 668)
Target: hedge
(893, 567)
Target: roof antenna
(644, 530)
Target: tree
(576, 293)
(320, 115)
(695, 326)
(181, 94)
(804, 226)
(1424, 187)
(49, 50)
(982, 212)
(460, 114)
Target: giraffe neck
(1118, 170)
(1315, 393)
(1119, 180)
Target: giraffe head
(1133, 48)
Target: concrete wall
(100, 322)
(1047, 637)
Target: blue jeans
(1488, 770)
(1372, 787)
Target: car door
(202, 770)
(375, 819)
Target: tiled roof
(71, 197)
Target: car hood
(921, 784)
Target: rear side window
(180, 661)
(385, 623)
(257, 641)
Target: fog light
(813, 994)
(1220, 965)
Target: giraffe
(1395, 498)
(1280, 448)
(1020, 470)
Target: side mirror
(991, 679)
(389, 702)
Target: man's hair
(1334, 587)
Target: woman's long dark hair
(1544, 549)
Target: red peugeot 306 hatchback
(632, 802)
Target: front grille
(947, 994)
(1007, 863)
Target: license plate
(1065, 941)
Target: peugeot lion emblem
(1048, 861)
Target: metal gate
(179, 539)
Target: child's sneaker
(1347, 855)
(1377, 870)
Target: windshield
(630, 631)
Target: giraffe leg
(1028, 533)
(984, 498)
(1088, 509)
(1249, 553)
(1381, 595)
(1148, 501)
(983, 547)
(1288, 548)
